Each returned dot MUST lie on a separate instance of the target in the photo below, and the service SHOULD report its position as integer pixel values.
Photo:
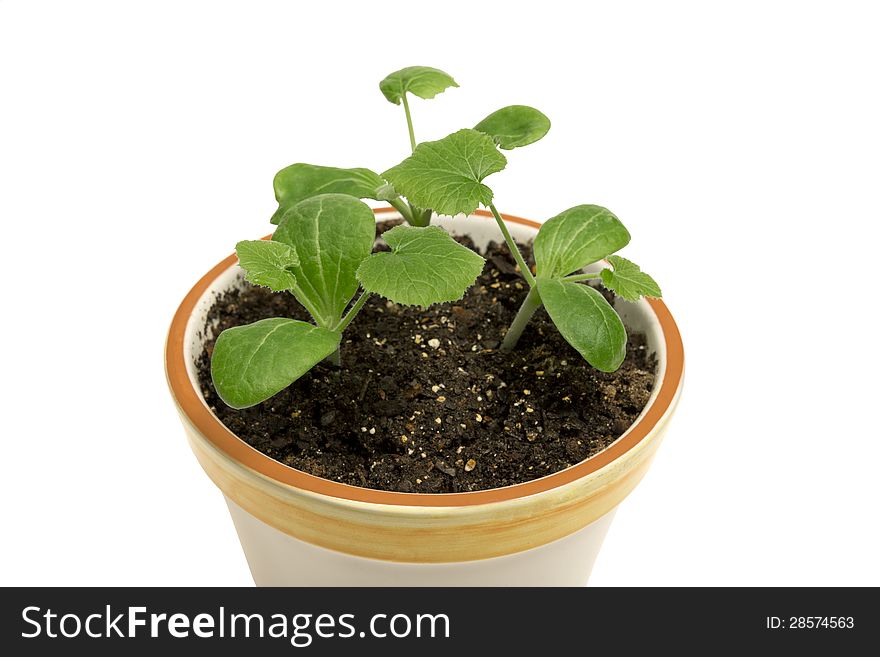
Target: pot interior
(637, 316)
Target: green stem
(531, 303)
(403, 209)
(412, 136)
(514, 249)
(335, 358)
(420, 217)
(418, 220)
(574, 278)
(304, 300)
(352, 312)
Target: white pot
(300, 530)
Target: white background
(739, 142)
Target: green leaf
(446, 175)
(301, 181)
(251, 363)
(386, 193)
(628, 281)
(425, 266)
(514, 126)
(586, 321)
(331, 234)
(423, 81)
(577, 237)
(268, 263)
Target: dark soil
(424, 401)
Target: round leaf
(423, 81)
(251, 363)
(576, 238)
(425, 266)
(586, 321)
(300, 181)
(514, 126)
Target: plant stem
(514, 249)
(303, 299)
(421, 218)
(352, 312)
(531, 303)
(412, 136)
(403, 209)
(574, 278)
(418, 219)
(335, 358)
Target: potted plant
(425, 408)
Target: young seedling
(447, 175)
(321, 252)
(300, 181)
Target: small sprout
(315, 254)
(447, 175)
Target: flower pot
(299, 530)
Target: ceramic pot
(300, 530)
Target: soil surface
(424, 401)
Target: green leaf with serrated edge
(586, 321)
(331, 234)
(423, 81)
(446, 175)
(514, 126)
(301, 181)
(251, 363)
(268, 263)
(425, 266)
(628, 281)
(576, 238)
